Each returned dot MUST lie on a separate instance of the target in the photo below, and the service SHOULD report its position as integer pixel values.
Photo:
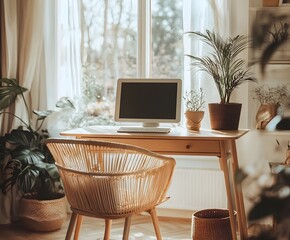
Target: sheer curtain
(200, 16)
(64, 64)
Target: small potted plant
(228, 72)
(28, 165)
(270, 99)
(194, 105)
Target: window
(167, 31)
(124, 38)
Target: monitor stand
(145, 128)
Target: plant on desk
(228, 73)
(194, 105)
(270, 99)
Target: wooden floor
(92, 229)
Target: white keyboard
(144, 130)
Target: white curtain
(64, 77)
(200, 16)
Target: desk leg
(238, 193)
(224, 168)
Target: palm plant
(227, 71)
(23, 156)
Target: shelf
(284, 9)
(264, 14)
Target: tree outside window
(109, 31)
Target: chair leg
(78, 227)
(108, 224)
(71, 226)
(127, 228)
(154, 218)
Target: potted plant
(228, 72)
(194, 105)
(270, 99)
(28, 166)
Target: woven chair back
(110, 180)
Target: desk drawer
(192, 147)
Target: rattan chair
(110, 181)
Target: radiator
(195, 189)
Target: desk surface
(179, 141)
(175, 133)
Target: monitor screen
(149, 101)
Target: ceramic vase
(265, 114)
(224, 116)
(193, 119)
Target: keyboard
(144, 130)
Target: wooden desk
(221, 144)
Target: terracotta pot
(193, 119)
(271, 3)
(265, 114)
(224, 116)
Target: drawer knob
(188, 146)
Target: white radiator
(195, 189)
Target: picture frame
(282, 55)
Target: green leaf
(52, 171)
(27, 155)
(28, 179)
(9, 89)
(265, 207)
(42, 114)
(23, 137)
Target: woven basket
(43, 215)
(211, 224)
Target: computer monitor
(149, 101)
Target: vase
(193, 119)
(224, 116)
(265, 114)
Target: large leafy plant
(273, 201)
(222, 64)
(23, 157)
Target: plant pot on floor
(224, 116)
(193, 119)
(211, 224)
(43, 215)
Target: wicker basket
(211, 224)
(43, 215)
